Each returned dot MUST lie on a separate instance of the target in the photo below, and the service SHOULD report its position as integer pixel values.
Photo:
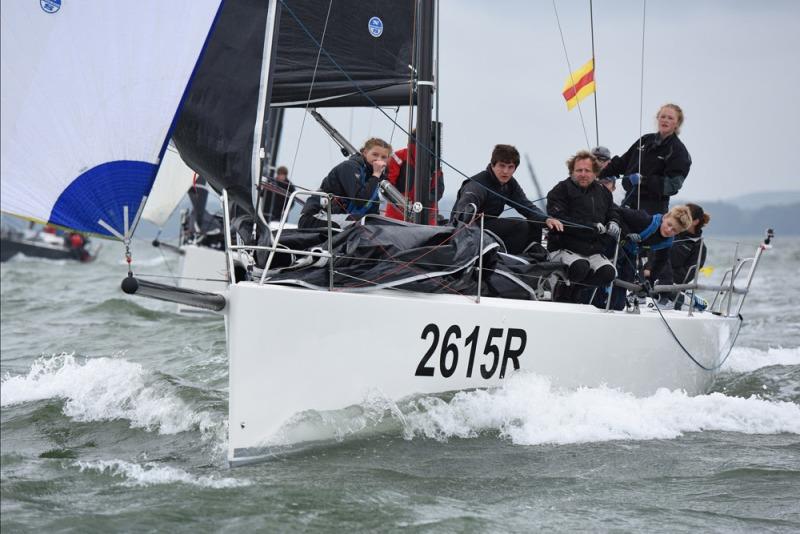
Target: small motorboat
(45, 243)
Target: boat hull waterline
(351, 346)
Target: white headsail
(89, 93)
(174, 178)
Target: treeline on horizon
(727, 219)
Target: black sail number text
(512, 341)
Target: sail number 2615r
(451, 347)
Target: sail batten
(88, 96)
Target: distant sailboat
(47, 243)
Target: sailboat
(199, 249)
(46, 242)
(310, 341)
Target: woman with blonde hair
(664, 164)
(683, 256)
(354, 185)
(649, 236)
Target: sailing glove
(647, 287)
(634, 238)
(613, 230)
(600, 227)
(634, 178)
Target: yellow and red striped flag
(580, 84)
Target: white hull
(292, 350)
(203, 269)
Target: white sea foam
(528, 411)
(745, 359)
(104, 389)
(151, 474)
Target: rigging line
(169, 269)
(394, 127)
(310, 89)
(569, 68)
(594, 66)
(641, 108)
(687, 353)
(363, 93)
(410, 262)
(564, 222)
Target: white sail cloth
(172, 181)
(88, 96)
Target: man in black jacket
(588, 211)
(278, 190)
(489, 192)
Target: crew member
(588, 211)
(354, 184)
(490, 191)
(655, 166)
(401, 175)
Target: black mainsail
(366, 49)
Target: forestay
(104, 81)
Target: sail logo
(50, 6)
(375, 26)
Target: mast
(274, 128)
(265, 91)
(422, 167)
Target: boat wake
(527, 410)
(151, 474)
(105, 389)
(746, 360)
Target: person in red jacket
(401, 175)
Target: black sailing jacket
(354, 187)
(635, 221)
(491, 197)
(585, 207)
(683, 258)
(665, 166)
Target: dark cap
(601, 153)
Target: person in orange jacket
(401, 175)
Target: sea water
(114, 418)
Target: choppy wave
(151, 474)
(528, 411)
(746, 360)
(103, 389)
(22, 258)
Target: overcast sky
(732, 65)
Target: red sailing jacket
(397, 176)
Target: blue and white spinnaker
(89, 94)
